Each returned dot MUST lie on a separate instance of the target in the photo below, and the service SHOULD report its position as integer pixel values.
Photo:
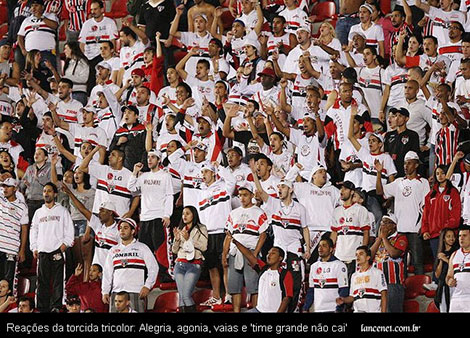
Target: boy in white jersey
(368, 290)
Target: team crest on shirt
(461, 266)
(361, 293)
(407, 191)
(285, 223)
(319, 270)
(295, 266)
(345, 230)
(242, 227)
(322, 283)
(160, 8)
(273, 283)
(405, 139)
(111, 188)
(110, 176)
(101, 243)
(124, 263)
(94, 28)
(341, 220)
(446, 198)
(305, 150)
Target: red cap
(138, 71)
(268, 72)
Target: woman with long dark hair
(442, 209)
(77, 70)
(189, 244)
(82, 250)
(447, 245)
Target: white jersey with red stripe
(37, 34)
(214, 145)
(369, 173)
(349, 223)
(374, 34)
(77, 14)
(298, 93)
(310, 151)
(366, 288)
(95, 135)
(337, 121)
(131, 57)
(452, 50)
(425, 62)
(372, 84)
(295, 18)
(93, 99)
(68, 111)
(112, 186)
(462, 87)
(395, 77)
(461, 268)
(436, 108)
(287, 223)
(93, 33)
(175, 178)
(201, 88)
(194, 40)
(165, 138)
(327, 278)
(105, 238)
(245, 225)
(241, 173)
(441, 21)
(191, 176)
(349, 154)
(250, 20)
(465, 8)
(281, 162)
(272, 45)
(215, 200)
(270, 185)
(129, 268)
(147, 113)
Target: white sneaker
(228, 299)
(212, 301)
(431, 286)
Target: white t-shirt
(369, 173)
(409, 201)
(131, 58)
(295, 18)
(366, 288)
(372, 84)
(441, 22)
(94, 32)
(38, 35)
(374, 34)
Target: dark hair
(196, 220)
(461, 29)
(435, 188)
(150, 49)
(53, 186)
(442, 247)
(100, 268)
(433, 38)
(67, 81)
(185, 86)
(76, 53)
(99, 2)
(255, 103)
(120, 153)
(283, 19)
(466, 37)
(110, 43)
(86, 182)
(446, 86)
(204, 62)
(281, 136)
(282, 253)
(366, 249)
(166, 161)
(11, 159)
(372, 49)
(350, 74)
(27, 299)
(329, 241)
(127, 31)
(124, 293)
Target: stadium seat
(167, 286)
(414, 286)
(27, 272)
(203, 284)
(167, 302)
(325, 11)
(430, 293)
(3, 30)
(410, 306)
(3, 14)
(118, 10)
(200, 296)
(24, 285)
(432, 308)
(428, 267)
(229, 307)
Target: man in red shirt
(89, 292)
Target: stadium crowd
(304, 159)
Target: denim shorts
(79, 227)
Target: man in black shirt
(401, 140)
(156, 16)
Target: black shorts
(213, 254)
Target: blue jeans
(343, 27)
(186, 277)
(395, 298)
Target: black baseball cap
(261, 156)
(130, 107)
(349, 185)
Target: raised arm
(457, 157)
(79, 205)
(263, 195)
(180, 66)
(278, 124)
(378, 184)
(423, 6)
(400, 55)
(57, 120)
(351, 136)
